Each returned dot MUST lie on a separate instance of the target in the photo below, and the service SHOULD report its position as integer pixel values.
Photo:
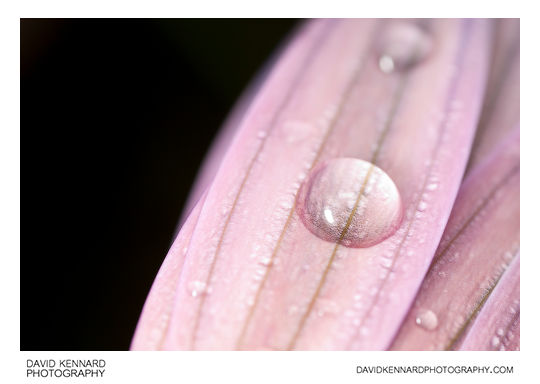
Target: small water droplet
(432, 186)
(508, 256)
(261, 134)
(495, 341)
(402, 46)
(265, 261)
(286, 205)
(327, 307)
(386, 63)
(292, 310)
(387, 263)
(196, 288)
(427, 320)
(422, 206)
(297, 131)
(331, 194)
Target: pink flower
(279, 253)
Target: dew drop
(292, 310)
(402, 46)
(266, 261)
(196, 288)
(326, 307)
(330, 205)
(427, 320)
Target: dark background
(116, 117)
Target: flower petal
(497, 325)
(156, 313)
(269, 283)
(480, 240)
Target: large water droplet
(350, 201)
(427, 320)
(402, 45)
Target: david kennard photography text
(65, 368)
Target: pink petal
(500, 114)
(481, 238)
(497, 326)
(269, 283)
(156, 313)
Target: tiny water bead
(351, 202)
(401, 46)
(427, 320)
(197, 288)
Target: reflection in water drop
(350, 201)
(427, 320)
(402, 46)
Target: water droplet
(335, 205)
(196, 288)
(427, 320)
(422, 206)
(432, 186)
(402, 46)
(265, 261)
(292, 310)
(325, 307)
(386, 263)
(495, 341)
(386, 63)
(508, 256)
(297, 131)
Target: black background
(116, 117)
